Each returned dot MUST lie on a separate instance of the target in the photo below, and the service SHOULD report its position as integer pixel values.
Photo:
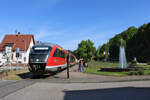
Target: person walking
(80, 65)
(84, 65)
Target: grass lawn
(14, 75)
(94, 67)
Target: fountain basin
(117, 69)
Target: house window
(4, 56)
(20, 56)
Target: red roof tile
(17, 41)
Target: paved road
(80, 86)
(8, 87)
(5, 82)
(83, 91)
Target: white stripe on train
(49, 67)
(55, 68)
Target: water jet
(123, 63)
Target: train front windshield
(39, 54)
(41, 50)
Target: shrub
(133, 73)
(133, 63)
(136, 73)
(148, 63)
(140, 72)
(1, 72)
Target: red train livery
(48, 57)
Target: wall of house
(2, 58)
(23, 54)
(20, 59)
(28, 51)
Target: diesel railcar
(48, 57)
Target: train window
(59, 53)
(56, 53)
(62, 54)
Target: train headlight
(37, 60)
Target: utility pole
(68, 60)
(24, 51)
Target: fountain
(123, 63)
(122, 57)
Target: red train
(48, 57)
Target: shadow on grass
(124, 93)
(29, 75)
(26, 75)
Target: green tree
(136, 42)
(104, 51)
(139, 45)
(85, 50)
(97, 54)
(115, 42)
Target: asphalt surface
(9, 87)
(83, 91)
(80, 86)
(5, 82)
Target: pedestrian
(80, 65)
(86, 64)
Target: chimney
(18, 34)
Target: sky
(67, 22)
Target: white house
(22, 41)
